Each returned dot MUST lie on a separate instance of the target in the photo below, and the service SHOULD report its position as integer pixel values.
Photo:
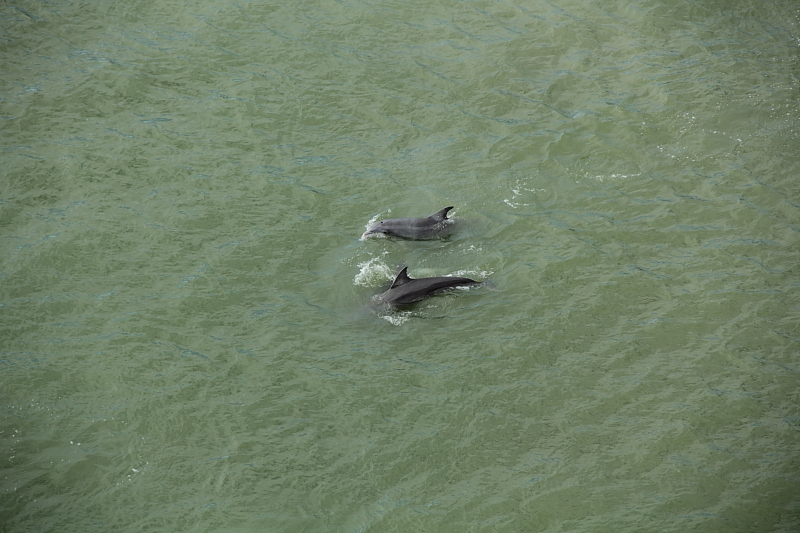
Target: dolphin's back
(423, 228)
(406, 290)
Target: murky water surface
(186, 339)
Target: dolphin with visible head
(432, 227)
(406, 290)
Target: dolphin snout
(371, 232)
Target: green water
(185, 337)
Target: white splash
(601, 178)
(518, 190)
(398, 318)
(480, 274)
(372, 272)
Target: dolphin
(423, 228)
(406, 290)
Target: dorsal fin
(441, 214)
(401, 278)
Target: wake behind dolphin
(424, 228)
(406, 290)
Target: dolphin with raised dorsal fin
(406, 290)
(425, 228)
